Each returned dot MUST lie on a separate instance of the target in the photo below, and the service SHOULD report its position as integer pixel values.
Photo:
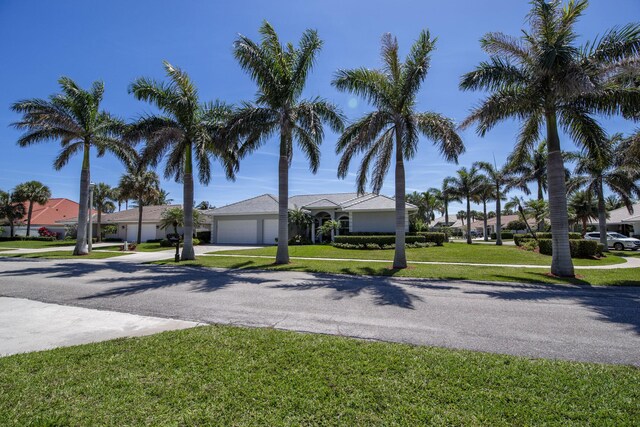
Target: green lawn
(614, 277)
(220, 375)
(450, 252)
(35, 244)
(142, 247)
(66, 255)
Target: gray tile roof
(620, 215)
(149, 214)
(264, 204)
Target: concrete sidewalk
(27, 325)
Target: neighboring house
(52, 215)
(621, 221)
(255, 220)
(454, 222)
(478, 226)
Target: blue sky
(119, 40)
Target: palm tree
(432, 203)
(502, 180)
(203, 205)
(392, 130)
(466, 185)
(544, 78)
(517, 205)
(300, 219)
(417, 199)
(174, 217)
(485, 194)
(103, 197)
(595, 173)
(164, 199)
(186, 133)
(32, 192)
(281, 72)
(448, 196)
(11, 211)
(582, 208)
(75, 119)
(531, 166)
(537, 210)
(143, 186)
(612, 202)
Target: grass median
(613, 277)
(220, 375)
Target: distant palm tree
(517, 205)
(461, 215)
(612, 202)
(484, 195)
(543, 77)
(432, 203)
(186, 133)
(300, 219)
(448, 196)
(203, 205)
(103, 197)
(31, 192)
(466, 185)
(174, 217)
(281, 72)
(164, 199)
(417, 199)
(582, 208)
(537, 210)
(392, 130)
(11, 211)
(143, 186)
(594, 173)
(531, 166)
(74, 117)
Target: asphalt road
(574, 323)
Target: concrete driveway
(565, 322)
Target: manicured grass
(142, 247)
(220, 375)
(450, 252)
(66, 255)
(35, 244)
(613, 277)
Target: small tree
(31, 192)
(174, 217)
(103, 201)
(11, 211)
(300, 219)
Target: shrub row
(434, 237)
(21, 238)
(437, 238)
(519, 239)
(506, 235)
(165, 243)
(376, 246)
(580, 248)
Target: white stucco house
(621, 221)
(255, 220)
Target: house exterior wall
(362, 222)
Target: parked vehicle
(617, 241)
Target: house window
(344, 225)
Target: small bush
(378, 239)
(112, 239)
(23, 238)
(204, 236)
(505, 235)
(375, 246)
(433, 237)
(299, 240)
(165, 243)
(520, 238)
(530, 245)
(45, 232)
(579, 248)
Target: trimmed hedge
(519, 239)
(165, 243)
(204, 236)
(375, 246)
(506, 235)
(377, 239)
(433, 237)
(580, 248)
(22, 238)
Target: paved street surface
(31, 326)
(575, 323)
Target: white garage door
(238, 231)
(148, 232)
(270, 231)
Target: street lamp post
(90, 238)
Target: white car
(617, 241)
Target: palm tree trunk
(83, 209)
(98, 225)
(12, 229)
(30, 211)
(187, 247)
(498, 220)
(139, 237)
(561, 263)
(484, 209)
(540, 192)
(469, 221)
(400, 256)
(602, 218)
(282, 255)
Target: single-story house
(127, 223)
(478, 225)
(51, 215)
(454, 222)
(255, 220)
(621, 221)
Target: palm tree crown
(32, 192)
(544, 78)
(187, 133)
(10, 210)
(143, 186)
(103, 202)
(466, 185)
(75, 119)
(392, 130)
(281, 72)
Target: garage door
(238, 231)
(148, 232)
(270, 231)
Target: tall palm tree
(582, 208)
(143, 186)
(281, 72)
(432, 203)
(185, 132)
(103, 198)
(448, 195)
(502, 180)
(417, 199)
(595, 173)
(484, 195)
(466, 185)
(543, 77)
(31, 192)
(75, 119)
(392, 130)
(11, 211)
(531, 166)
